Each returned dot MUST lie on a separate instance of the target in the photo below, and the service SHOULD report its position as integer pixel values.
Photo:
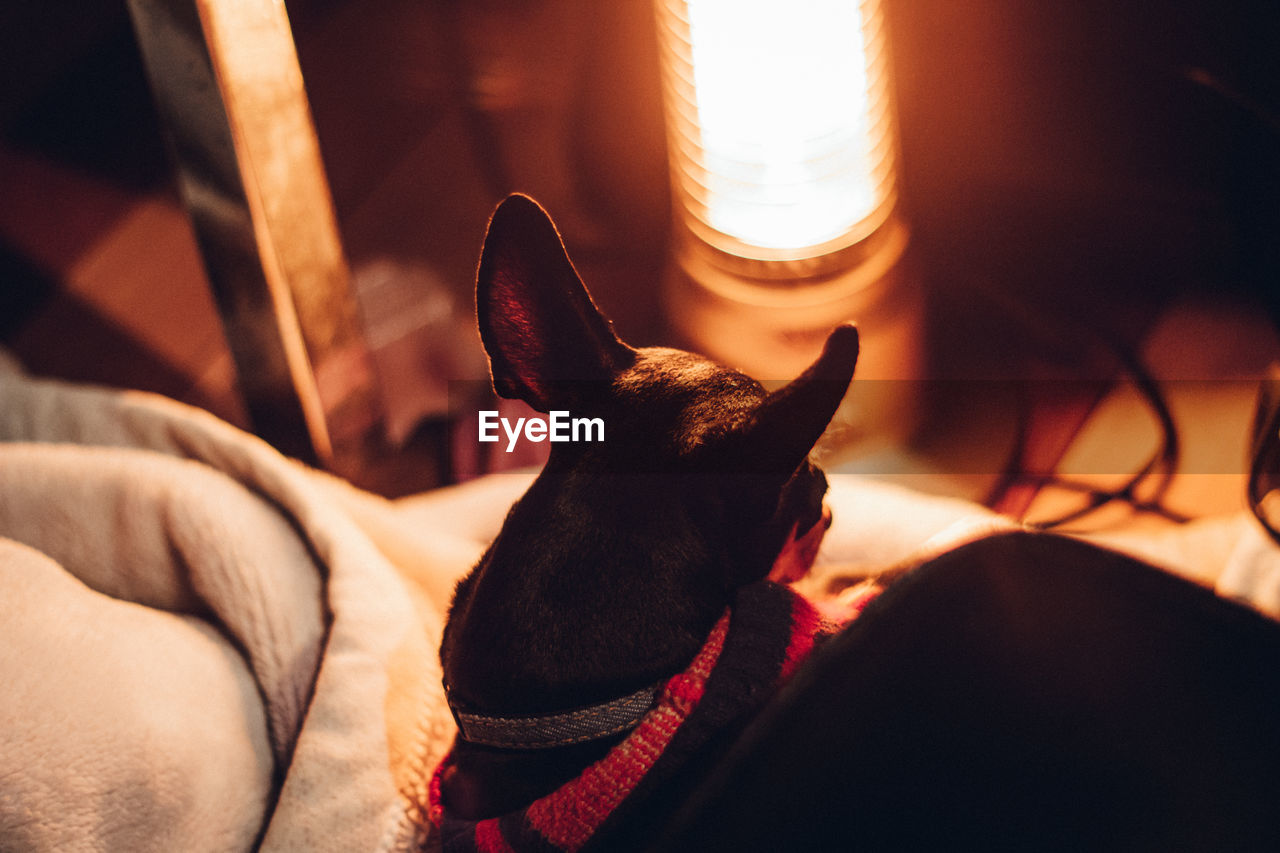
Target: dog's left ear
(542, 332)
(790, 420)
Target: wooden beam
(226, 81)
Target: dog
(628, 669)
(632, 578)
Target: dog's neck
(504, 760)
(748, 652)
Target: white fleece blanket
(205, 646)
(201, 646)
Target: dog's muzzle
(800, 550)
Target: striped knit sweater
(755, 647)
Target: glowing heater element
(782, 143)
(780, 125)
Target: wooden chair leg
(226, 80)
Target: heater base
(774, 330)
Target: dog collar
(754, 647)
(544, 731)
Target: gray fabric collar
(549, 730)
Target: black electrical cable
(1264, 460)
(1162, 464)
(1264, 465)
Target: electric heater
(783, 155)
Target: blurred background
(1092, 192)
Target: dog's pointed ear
(539, 326)
(789, 421)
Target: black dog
(594, 628)
(616, 662)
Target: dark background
(1067, 169)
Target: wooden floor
(104, 282)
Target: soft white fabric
(1230, 553)
(124, 727)
(204, 645)
(880, 527)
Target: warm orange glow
(779, 122)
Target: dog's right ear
(539, 326)
(790, 421)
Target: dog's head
(610, 571)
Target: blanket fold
(327, 713)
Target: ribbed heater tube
(780, 129)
